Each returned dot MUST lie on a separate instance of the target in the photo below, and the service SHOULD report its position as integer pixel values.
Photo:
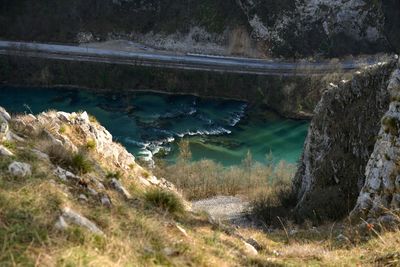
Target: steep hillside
(289, 28)
(70, 196)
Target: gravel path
(223, 208)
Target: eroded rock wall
(380, 195)
(340, 141)
(304, 27)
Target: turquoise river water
(147, 123)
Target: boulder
(20, 169)
(70, 216)
(249, 249)
(40, 154)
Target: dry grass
(138, 235)
(206, 178)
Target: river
(150, 123)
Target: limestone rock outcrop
(340, 141)
(380, 195)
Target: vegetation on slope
(149, 227)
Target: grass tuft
(164, 200)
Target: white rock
(73, 217)
(250, 249)
(64, 116)
(64, 174)
(183, 231)
(120, 188)
(153, 180)
(4, 114)
(105, 201)
(83, 118)
(342, 238)
(3, 129)
(40, 154)
(5, 152)
(61, 224)
(12, 136)
(83, 198)
(20, 169)
(92, 191)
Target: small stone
(3, 129)
(5, 152)
(40, 154)
(342, 238)
(183, 231)
(105, 201)
(64, 174)
(254, 243)
(92, 191)
(20, 169)
(83, 198)
(61, 224)
(120, 188)
(250, 249)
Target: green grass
(9, 144)
(81, 163)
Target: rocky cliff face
(321, 26)
(340, 141)
(380, 195)
(247, 27)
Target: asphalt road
(178, 61)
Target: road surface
(177, 61)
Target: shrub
(81, 164)
(93, 119)
(164, 200)
(91, 144)
(117, 175)
(63, 129)
(58, 154)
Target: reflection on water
(147, 123)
